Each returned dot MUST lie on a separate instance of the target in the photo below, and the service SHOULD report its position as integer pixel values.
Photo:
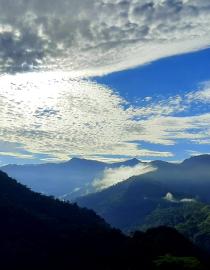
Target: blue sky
(159, 80)
(106, 80)
(168, 76)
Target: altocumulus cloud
(66, 116)
(94, 37)
(52, 114)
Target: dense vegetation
(141, 201)
(39, 232)
(128, 203)
(191, 219)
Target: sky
(105, 80)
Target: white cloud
(195, 153)
(61, 116)
(167, 129)
(94, 37)
(16, 155)
(51, 114)
(113, 176)
(202, 95)
(75, 117)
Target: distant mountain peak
(199, 159)
(161, 164)
(134, 160)
(76, 160)
(131, 162)
(81, 161)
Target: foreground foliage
(39, 232)
(191, 219)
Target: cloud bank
(95, 37)
(113, 176)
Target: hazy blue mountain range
(39, 232)
(192, 176)
(73, 178)
(127, 204)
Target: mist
(113, 176)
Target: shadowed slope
(39, 232)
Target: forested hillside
(39, 232)
(190, 218)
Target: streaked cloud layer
(94, 37)
(54, 115)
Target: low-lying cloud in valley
(111, 176)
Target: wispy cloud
(16, 155)
(94, 37)
(89, 118)
(113, 176)
(202, 95)
(196, 153)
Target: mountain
(34, 227)
(39, 232)
(191, 177)
(201, 160)
(128, 203)
(191, 219)
(130, 162)
(72, 178)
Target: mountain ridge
(74, 177)
(39, 232)
(129, 202)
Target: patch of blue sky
(181, 150)
(161, 79)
